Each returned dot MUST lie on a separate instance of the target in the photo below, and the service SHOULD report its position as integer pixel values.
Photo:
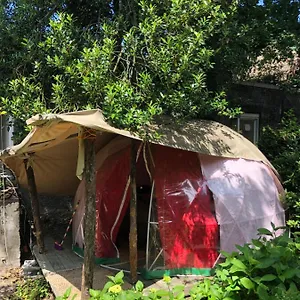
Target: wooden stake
(35, 206)
(133, 257)
(90, 214)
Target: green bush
(281, 145)
(265, 269)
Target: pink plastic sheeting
(188, 229)
(246, 198)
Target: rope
(146, 162)
(151, 156)
(87, 134)
(69, 225)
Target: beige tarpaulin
(52, 145)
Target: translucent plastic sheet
(188, 229)
(246, 198)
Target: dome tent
(198, 205)
(211, 188)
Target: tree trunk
(133, 223)
(90, 214)
(35, 206)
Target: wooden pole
(35, 206)
(90, 213)
(133, 257)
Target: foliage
(263, 34)
(141, 59)
(113, 290)
(268, 268)
(66, 295)
(264, 269)
(32, 289)
(137, 59)
(282, 147)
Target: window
(248, 126)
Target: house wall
(9, 230)
(267, 100)
(6, 132)
(10, 253)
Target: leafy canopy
(136, 59)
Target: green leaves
(133, 64)
(247, 283)
(268, 277)
(264, 231)
(237, 278)
(262, 269)
(240, 265)
(139, 286)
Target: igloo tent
(198, 205)
(207, 187)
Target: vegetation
(32, 289)
(136, 59)
(282, 146)
(268, 268)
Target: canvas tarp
(52, 145)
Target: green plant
(32, 289)
(67, 295)
(264, 269)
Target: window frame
(251, 117)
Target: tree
(136, 60)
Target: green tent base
(158, 274)
(98, 261)
(146, 274)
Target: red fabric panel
(110, 186)
(188, 229)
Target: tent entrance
(154, 250)
(143, 201)
(177, 231)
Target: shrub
(265, 269)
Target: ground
(9, 278)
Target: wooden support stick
(90, 214)
(35, 206)
(133, 257)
